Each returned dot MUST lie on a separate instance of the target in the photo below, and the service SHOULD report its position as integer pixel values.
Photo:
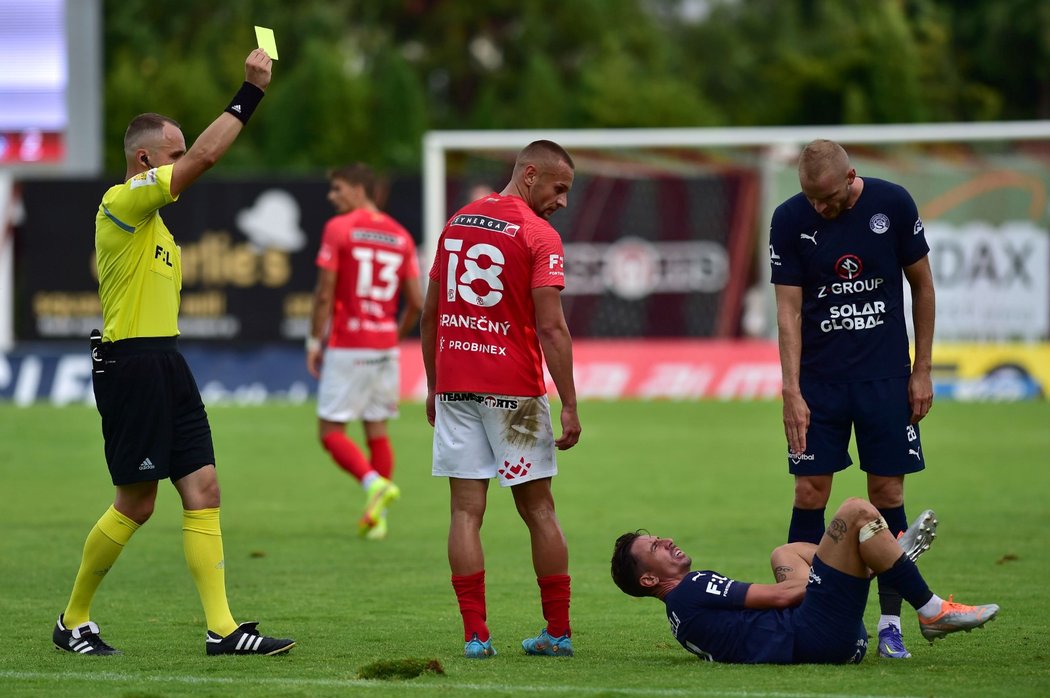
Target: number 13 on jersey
(381, 286)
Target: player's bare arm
(412, 293)
(786, 594)
(213, 143)
(789, 325)
(923, 308)
(321, 310)
(428, 340)
(556, 343)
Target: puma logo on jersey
(812, 238)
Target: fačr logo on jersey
(849, 266)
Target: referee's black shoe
(246, 640)
(83, 639)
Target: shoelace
(949, 607)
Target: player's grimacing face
(660, 556)
(550, 189)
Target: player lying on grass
(815, 611)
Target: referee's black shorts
(153, 420)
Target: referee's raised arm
(217, 138)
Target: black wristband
(245, 101)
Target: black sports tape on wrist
(245, 102)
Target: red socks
(382, 456)
(470, 592)
(350, 458)
(347, 455)
(554, 596)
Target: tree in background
(1004, 45)
(346, 91)
(365, 79)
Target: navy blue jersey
(707, 616)
(850, 271)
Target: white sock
(932, 607)
(887, 621)
(367, 480)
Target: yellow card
(266, 41)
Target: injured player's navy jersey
(707, 615)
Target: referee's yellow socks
(101, 549)
(202, 542)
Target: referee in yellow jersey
(153, 420)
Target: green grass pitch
(710, 474)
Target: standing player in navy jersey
(837, 252)
(814, 614)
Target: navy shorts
(877, 412)
(829, 625)
(153, 420)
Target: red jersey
(372, 255)
(490, 256)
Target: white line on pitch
(111, 677)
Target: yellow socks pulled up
(202, 543)
(103, 546)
